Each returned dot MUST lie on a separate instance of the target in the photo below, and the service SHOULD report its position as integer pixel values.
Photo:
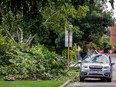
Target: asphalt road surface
(98, 82)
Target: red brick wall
(113, 35)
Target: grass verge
(26, 83)
(40, 83)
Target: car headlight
(85, 68)
(106, 67)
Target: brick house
(113, 35)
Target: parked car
(96, 66)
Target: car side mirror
(112, 63)
(79, 61)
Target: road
(98, 82)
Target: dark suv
(97, 66)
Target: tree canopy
(95, 24)
(32, 34)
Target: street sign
(68, 43)
(66, 38)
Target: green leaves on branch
(31, 63)
(82, 10)
(70, 10)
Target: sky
(114, 10)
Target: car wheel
(81, 79)
(109, 80)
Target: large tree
(95, 24)
(43, 18)
(46, 20)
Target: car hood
(95, 64)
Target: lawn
(39, 83)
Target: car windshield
(97, 59)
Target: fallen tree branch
(31, 37)
(10, 35)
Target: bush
(91, 45)
(73, 54)
(32, 63)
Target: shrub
(32, 63)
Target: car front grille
(95, 68)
